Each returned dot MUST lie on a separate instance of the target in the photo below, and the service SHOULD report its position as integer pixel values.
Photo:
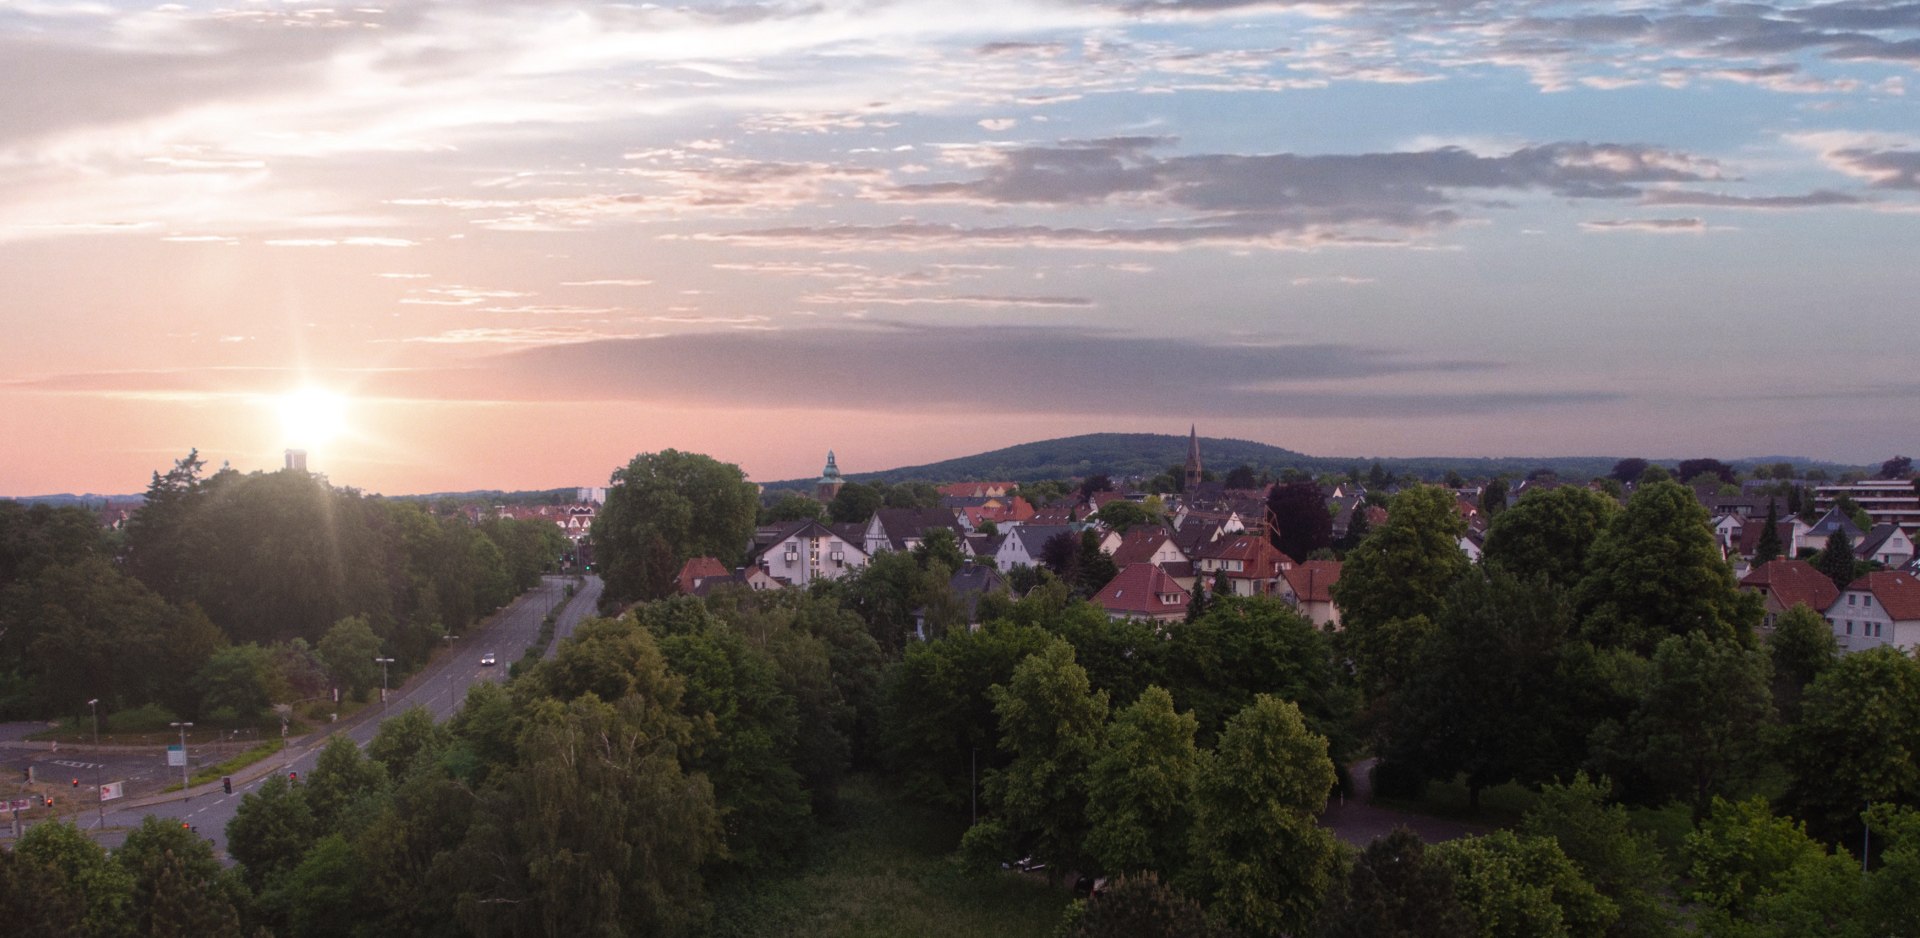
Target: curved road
(441, 687)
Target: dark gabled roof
(901, 524)
(1875, 539)
(1833, 519)
(771, 536)
(985, 545)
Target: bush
(147, 718)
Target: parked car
(486, 660)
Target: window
(1851, 599)
(1866, 601)
(1849, 626)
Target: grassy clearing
(209, 773)
(881, 868)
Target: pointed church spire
(1193, 457)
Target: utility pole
(184, 727)
(383, 680)
(98, 766)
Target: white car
(486, 660)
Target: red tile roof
(697, 569)
(1142, 589)
(1793, 581)
(1313, 580)
(1898, 593)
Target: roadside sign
(19, 804)
(111, 790)
(176, 755)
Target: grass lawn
(881, 867)
(1500, 806)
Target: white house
(800, 552)
(1881, 608)
(1887, 544)
(1023, 544)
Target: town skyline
(518, 243)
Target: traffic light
(185, 826)
(49, 801)
(226, 782)
(293, 776)
(76, 783)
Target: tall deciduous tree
(1051, 721)
(1257, 853)
(1488, 699)
(270, 831)
(349, 649)
(1701, 724)
(1623, 863)
(663, 508)
(1857, 741)
(1395, 890)
(1524, 887)
(1768, 546)
(1657, 571)
(1549, 533)
(1301, 522)
(1139, 788)
(1394, 582)
(1802, 646)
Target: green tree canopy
(1394, 890)
(1549, 533)
(1051, 725)
(663, 508)
(1516, 886)
(1857, 741)
(1139, 788)
(1657, 571)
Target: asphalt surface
(441, 688)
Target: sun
(312, 416)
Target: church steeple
(1193, 458)
(830, 481)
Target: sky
(496, 244)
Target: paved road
(1358, 821)
(441, 687)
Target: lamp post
(98, 767)
(383, 680)
(184, 727)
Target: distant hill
(64, 499)
(1122, 455)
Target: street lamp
(383, 680)
(184, 727)
(98, 767)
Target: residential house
(697, 569)
(1253, 566)
(905, 528)
(1155, 545)
(968, 583)
(1815, 537)
(1886, 544)
(1789, 583)
(1881, 608)
(1023, 544)
(1144, 591)
(800, 552)
(1310, 589)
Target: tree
(341, 777)
(1257, 853)
(270, 831)
(1393, 583)
(1488, 698)
(1139, 787)
(1802, 647)
(1405, 566)
(1395, 890)
(408, 743)
(1061, 554)
(1549, 533)
(1524, 887)
(1493, 498)
(938, 717)
(1691, 469)
(1699, 727)
(1246, 646)
(1093, 568)
(174, 877)
(1121, 514)
(1769, 546)
(1301, 522)
(1242, 476)
(940, 546)
(1098, 482)
(1657, 571)
(1050, 724)
(348, 651)
(1899, 467)
(1741, 852)
(1836, 559)
(75, 867)
(855, 503)
(793, 506)
(1857, 741)
(664, 508)
(1623, 863)
(238, 681)
(1138, 906)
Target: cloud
(899, 368)
(1820, 198)
(1883, 168)
(1651, 225)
